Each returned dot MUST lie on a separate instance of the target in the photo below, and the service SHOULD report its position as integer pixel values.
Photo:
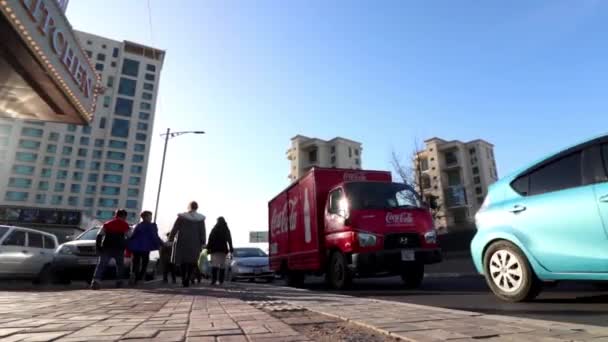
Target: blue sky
(528, 76)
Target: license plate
(258, 271)
(408, 255)
(87, 261)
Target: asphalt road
(567, 302)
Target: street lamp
(168, 135)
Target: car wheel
(412, 275)
(339, 276)
(509, 274)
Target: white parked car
(26, 254)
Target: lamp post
(168, 135)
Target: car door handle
(517, 209)
(604, 199)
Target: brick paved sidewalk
(136, 315)
(419, 323)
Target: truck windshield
(370, 195)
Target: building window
(72, 128)
(102, 123)
(67, 151)
(114, 179)
(23, 183)
(478, 190)
(16, 196)
(69, 139)
(479, 200)
(107, 101)
(115, 155)
(142, 126)
(134, 180)
(110, 190)
(138, 158)
(149, 86)
(73, 201)
(43, 185)
(357, 161)
(101, 57)
(49, 160)
(108, 202)
(450, 158)
(425, 181)
(89, 53)
(56, 200)
(29, 144)
(85, 141)
(146, 96)
(114, 167)
(145, 106)
(99, 67)
(472, 151)
(91, 189)
(131, 204)
(115, 52)
(4, 141)
(150, 77)
(59, 187)
(123, 107)
(54, 136)
(32, 132)
(333, 160)
(424, 164)
(113, 64)
(118, 144)
(88, 202)
(46, 173)
(41, 198)
(105, 214)
(144, 116)
(475, 170)
(476, 180)
(23, 170)
(130, 67)
(151, 68)
(62, 174)
(93, 177)
(120, 128)
(133, 192)
(26, 157)
(82, 152)
(75, 188)
(98, 142)
(86, 129)
(139, 148)
(64, 162)
(95, 165)
(110, 81)
(350, 152)
(312, 156)
(80, 164)
(356, 151)
(141, 137)
(97, 154)
(77, 176)
(136, 169)
(474, 160)
(127, 87)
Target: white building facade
(52, 170)
(306, 153)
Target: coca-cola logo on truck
(399, 219)
(281, 220)
(354, 177)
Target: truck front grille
(406, 240)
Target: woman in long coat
(188, 237)
(220, 244)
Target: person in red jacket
(111, 243)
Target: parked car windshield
(376, 195)
(248, 253)
(89, 234)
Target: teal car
(545, 223)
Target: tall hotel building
(57, 176)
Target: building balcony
(455, 197)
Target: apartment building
(306, 153)
(457, 175)
(55, 175)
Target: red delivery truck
(350, 223)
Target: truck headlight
(66, 250)
(430, 237)
(366, 240)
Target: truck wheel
(509, 274)
(295, 279)
(339, 276)
(413, 275)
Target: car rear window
(34, 240)
(3, 231)
(564, 173)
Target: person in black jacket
(219, 244)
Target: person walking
(188, 237)
(165, 261)
(110, 244)
(220, 243)
(144, 240)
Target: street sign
(260, 236)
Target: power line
(150, 22)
